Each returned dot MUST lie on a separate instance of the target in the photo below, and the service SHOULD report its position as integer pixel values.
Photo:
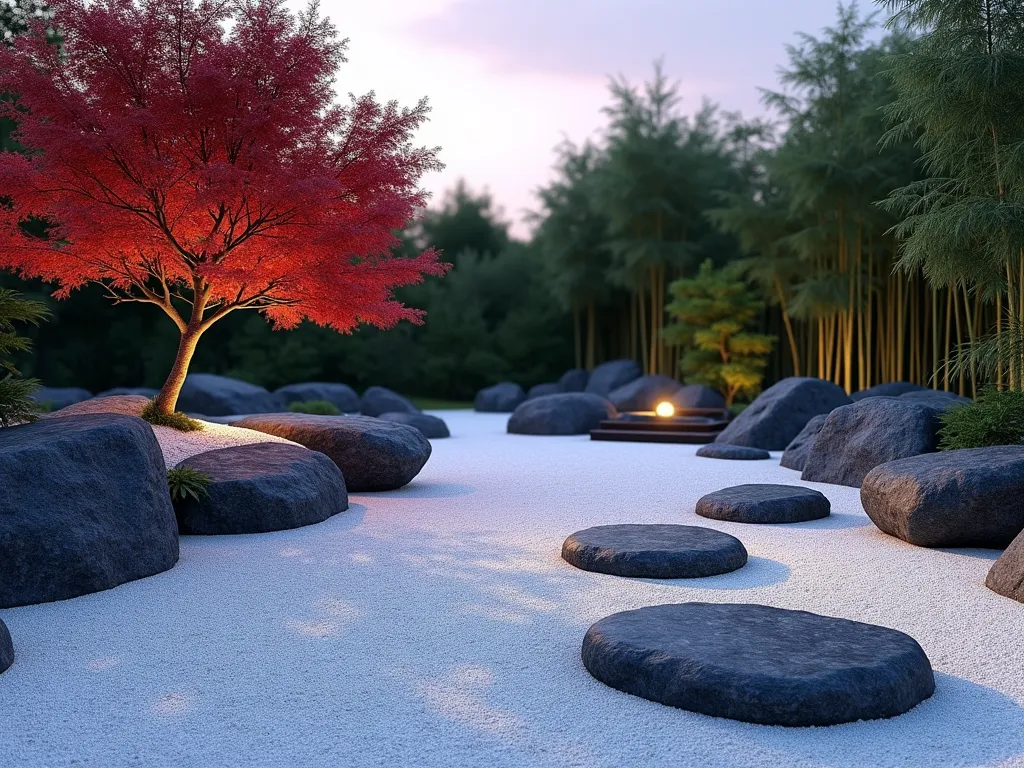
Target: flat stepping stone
(6, 648)
(654, 551)
(260, 488)
(735, 452)
(759, 664)
(764, 504)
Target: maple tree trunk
(167, 399)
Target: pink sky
(509, 79)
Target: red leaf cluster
(194, 149)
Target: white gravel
(437, 626)
(178, 446)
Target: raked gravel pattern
(438, 626)
(178, 446)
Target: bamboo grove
(879, 212)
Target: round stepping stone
(736, 452)
(759, 664)
(764, 504)
(654, 551)
(6, 648)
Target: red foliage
(192, 149)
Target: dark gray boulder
(147, 392)
(539, 390)
(575, 380)
(6, 648)
(857, 438)
(127, 405)
(501, 398)
(889, 389)
(764, 504)
(570, 413)
(698, 396)
(934, 398)
(796, 452)
(644, 394)
(966, 498)
(60, 397)
(212, 395)
(373, 455)
(654, 551)
(759, 664)
(732, 452)
(342, 396)
(378, 400)
(84, 507)
(260, 488)
(608, 377)
(781, 411)
(1006, 577)
(431, 426)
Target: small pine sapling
(712, 311)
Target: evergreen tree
(713, 311)
(960, 90)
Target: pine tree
(712, 310)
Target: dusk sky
(509, 79)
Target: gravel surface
(438, 626)
(178, 446)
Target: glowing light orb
(665, 410)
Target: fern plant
(994, 418)
(16, 403)
(317, 407)
(186, 482)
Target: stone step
(651, 436)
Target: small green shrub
(317, 407)
(994, 418)
(184, 482)
(16, 403)
(176, 420)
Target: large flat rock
(732, 452)
(378, 400)
(779, 413)
(856, 438)
(501, 398)
(60, 397)
(644, 393)
(570, 413)
(764, 504)
(260, 488)
(432, 427)
(213, 395)
(966, 498)
(342, 396)
(607, 377)
(654, 551)
(1006, 576)
(759, 664)
(372, 454)
(84, 507)
(6, 648)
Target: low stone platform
(654, 551)
(759, 664)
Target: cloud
(724, 47)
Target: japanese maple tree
(191, 155)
